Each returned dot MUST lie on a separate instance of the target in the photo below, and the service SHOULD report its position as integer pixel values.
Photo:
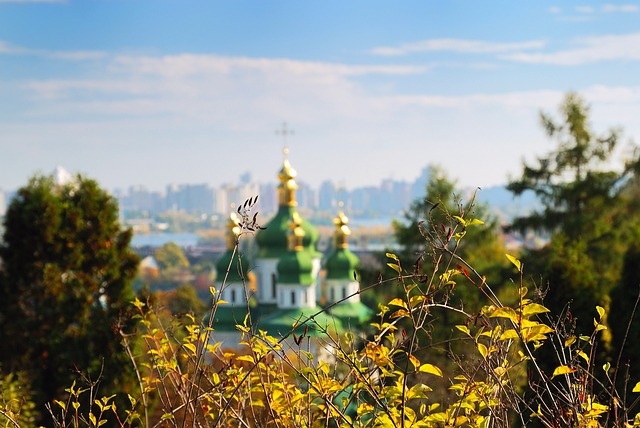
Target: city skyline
(151, 93)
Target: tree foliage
(587, 210)
(572, 182)
(171, 256)
(65, 283)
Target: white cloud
(584, 9)
(457, 45)
(621, 8)
(588, 50)
(188, 64)
(9, 49)
(555, 10)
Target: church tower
(273, 241)
(341, 285)
(297, 309)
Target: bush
(384, 379)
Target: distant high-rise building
(327, 198)
(191, 198)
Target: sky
(152, 92)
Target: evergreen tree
(429, 217)
(585, 210)
(64, 287)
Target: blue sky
(151, 92)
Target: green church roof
(238, 267)
(227, 317)
(341, 264)
(353, 316)
(273, 242)
(281, 322)
(295, 267)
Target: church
(297, 288)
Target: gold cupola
(342, 232)
(288, 186)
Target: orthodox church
(294, 284)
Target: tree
(64, 287)
(586, 210)
(570, 181)
(171, 256)
(436, 210)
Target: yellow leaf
(584, 356)
(560, 370)
(430, 368)
(570, 341)
(636, 388)
(247, 358)
(483, 350)
(414, 361)
(92, 418)
(464, 329)
(509, 334)
(505, 312)
(600, 310)
(533, 309)
(398, 302)
(515, 262)
(392, 256)
(394, 267)
(191, 347)
(399, 314)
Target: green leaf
(606, 367)
(167, 416)
(431, 369)
(515, 262)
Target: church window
(273, 285)
(293, 298)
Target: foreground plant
(388, 378)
